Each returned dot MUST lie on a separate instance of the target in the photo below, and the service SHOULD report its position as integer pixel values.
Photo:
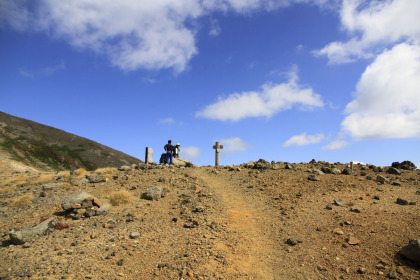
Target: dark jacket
(169, 148)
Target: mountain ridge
(48, 148)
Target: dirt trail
(248, 249)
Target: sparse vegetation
(44, 178)
(21, 179)
(120, 197)
(7, 189)
(22, 200)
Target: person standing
(177, 149)
(169, 149)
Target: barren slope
(216, 223)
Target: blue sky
(285, 80)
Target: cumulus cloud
(133, 34)
(303, 139)
(190, 152)
(271, 99)
(372, 25)
(335, 145)
(387, 98)
(234, 145)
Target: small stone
(76, 206)
(394, 171)
(400, 270)
(376, 197)
(362, 270)
(381, 179)
(120, 262)
(291, 241)
(339, 202)
(321, 268)
(401, 201)
(338, 231)
(396, 183)
(313, 178)
(353, 241)
(355, 210)
(190, 274)
(329, 206)
(392, 274)
(134, 235)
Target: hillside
(48, 148)
(259, 220)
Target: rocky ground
(254, 221)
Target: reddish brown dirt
(217, 223)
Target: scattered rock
(393, 170)
(353, 241)
(347, 171)
(154, 193)
(338, 231)
(22, 236)
(73, 199)
(95, 178)
(134, 235)
(406, 165)
(289, 166)
(400, 270)
(362, 270)
(339, 202)
(313, 178)
(396, 183)
(392, 274)
(329, 206)
(381, 179)
(355, 210)
(412, 252)
(401, 201)
(124, 168)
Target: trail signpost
(149, 155)
(217, 147)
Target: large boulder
(412, 252)
(28, 234)
(179, 162)
(262, 164)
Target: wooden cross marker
(217, 147)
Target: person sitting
(177, 149)
(169, 149)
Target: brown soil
(217, 223)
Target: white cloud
(303, 139)
(233, 145)
(168, 120)
(271, 99)
(43, 72)
(372, 25)
(387, 99)
(133, 34)
(335, 145)
(190, 152)
(215, 29)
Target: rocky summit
(258, 220)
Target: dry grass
(21, 179)
(7, 189)
(65, 186)
(120, 197)
(22, 200)
(44, 178)
(80, 173)
(106, 170)
(65, 174)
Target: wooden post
(149, 155)
(217, 147)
